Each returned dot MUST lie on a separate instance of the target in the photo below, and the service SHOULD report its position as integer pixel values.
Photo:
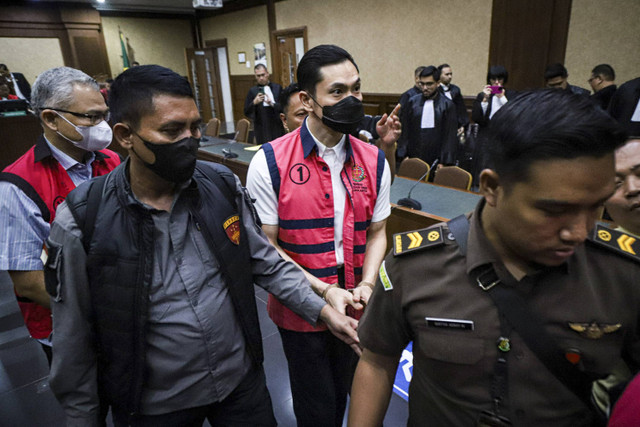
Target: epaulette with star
(411, 241)
(618, 241)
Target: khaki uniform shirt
(453, 366)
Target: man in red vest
(323, 198)
(71, 150)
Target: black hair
(441, 66)
(605, 71)
(419, 70)
(431, 70)
(545, 125)
(497, 72)
(132, 92)
(555, 70)
(309, 73)
(260, 66)
(283, 100)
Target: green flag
(125, 57)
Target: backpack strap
(85, 209)
(459, 227)
(27, 189)
(224, 180)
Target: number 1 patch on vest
(299, 173)
(232, 228)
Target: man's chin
(555, 258)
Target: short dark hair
(605, 71)
(431, 70)
(441, 66)
(555, 70)
(545, 125)
(418, 70)
(260, 66)
(283, 100)
(309, 73)
(497, 72)
(132, 92)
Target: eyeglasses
(593, 78)
(93, 118)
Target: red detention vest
(39, 175)
(302, 183)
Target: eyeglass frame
(597, 76)
(90, 117)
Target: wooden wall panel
(379, 103)
(76, 26)
(526, 36)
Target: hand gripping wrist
(324, 293)
(365, 283)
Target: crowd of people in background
(150, 261)
(436, 125)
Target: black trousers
(321, 369)
(248, 405)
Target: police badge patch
(232, 228)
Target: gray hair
(54, 87)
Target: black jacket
(267, 125)
(119, 265)
(602, 98)
(482, 118)
(23, 85)
(458, 100)
(404, 98)
(440, 142)
(623, 105)
(578, 90)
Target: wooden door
(204, 76)
(287, 58)
(290, 44)
(526, 36)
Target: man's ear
(490, 186)
(306, 100)
(122, 133)
(48, 118)
(283, 119)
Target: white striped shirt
(23, 228)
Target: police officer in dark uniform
(517, 308)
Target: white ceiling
(149, 6)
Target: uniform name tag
(435, 322)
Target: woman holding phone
(493, 96)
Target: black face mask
(345, 116)
(175, 162)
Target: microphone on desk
(228, 154)
(413, 203)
